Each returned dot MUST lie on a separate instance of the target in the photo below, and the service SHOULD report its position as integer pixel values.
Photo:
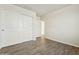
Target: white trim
(62, 42)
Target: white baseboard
(63, 42)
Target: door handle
(2, 30)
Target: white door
(26, 28)
(17, 28)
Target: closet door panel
(26, 28)
(18, 28)
(10, 29)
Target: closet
(14, 27)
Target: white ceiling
(42, 9)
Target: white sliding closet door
(26, 29)
(17, 28)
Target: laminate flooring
(40, 47)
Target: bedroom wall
(63, 25)
(36, 27)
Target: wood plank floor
(40, 47)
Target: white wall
(36, 27)
(63, 25)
